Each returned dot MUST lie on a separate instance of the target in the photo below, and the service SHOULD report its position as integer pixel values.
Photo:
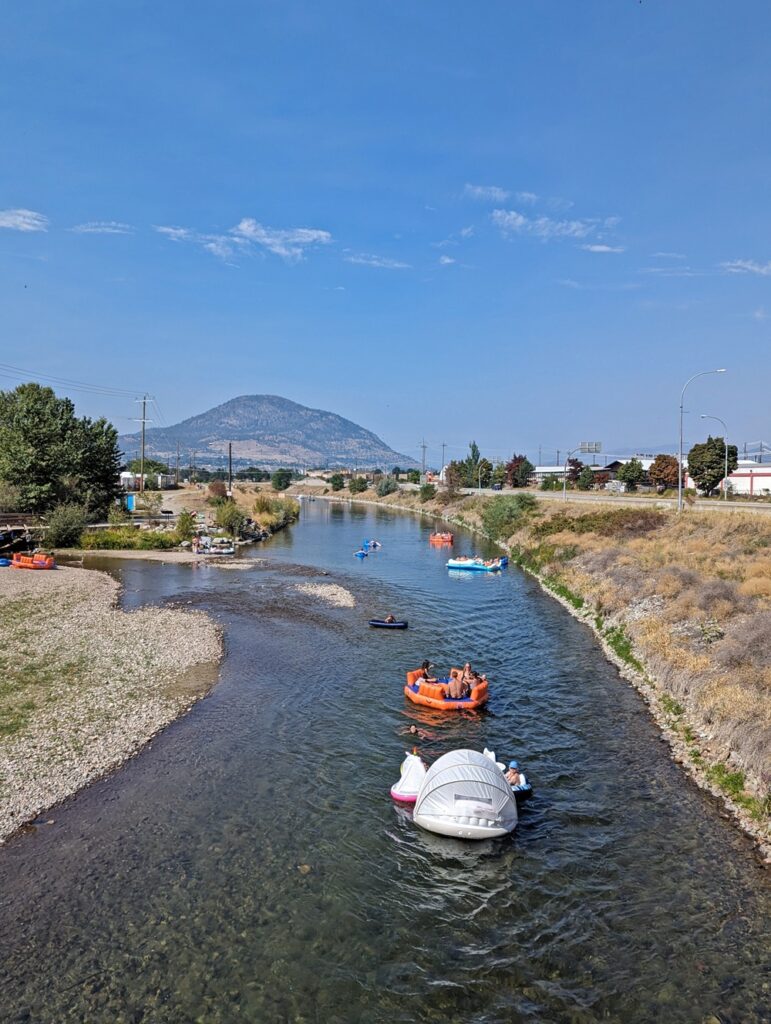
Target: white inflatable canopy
(464, 794)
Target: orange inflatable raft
(440, 540)
(434, 695)
(33, 561)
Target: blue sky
(526, 223)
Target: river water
(250, 866)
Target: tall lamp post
(703, 373)
(586, 448)
(704, 416)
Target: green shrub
(413, 476)
(272, 512)
(336, 482)
(128, 538)
(502, 516)
(65, 525)
(625, 522)
(357, 485)
(386, 486)
(427, 492)
(230, 517)
(551, 483)
(620, 642)
(118, 515)
(186, 525)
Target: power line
(17, 373)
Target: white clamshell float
(464, 794)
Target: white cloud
(510, 222)
(486, 193)
(760, 314)
(368, 260)
(176, 234)
(445, 261)
(467, 232)
(23, 220)
(103, 227)
(667, 256)
(527, 197)
(288, 243)
(603, 248)
(673, 271)
(747, 267)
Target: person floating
(514, 776)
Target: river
(250, 866)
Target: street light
(586, 448)
(704, 416)
(703, 373)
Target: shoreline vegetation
(85, 685)
(680, 604)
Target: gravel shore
(84, 685)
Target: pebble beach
(84, 685)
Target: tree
(231, 518)
(413, 476)
(396, 471)
(585, 479)
(502, 516)
(551, 483)
(336, 482)
(52, 457)
(600, 479)
(631, 473)
(185, 525)
(574, 470)
(706, 463)
(281, 479)
(427, 492)
(663, 472)
(151, 466)
(518, 471)
(484, 473)
(498, 477)
(357, 485)
(217, 490)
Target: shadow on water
(249, 866)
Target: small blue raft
(360, 554)
(478, 564)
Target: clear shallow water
(250, 866)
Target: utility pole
(443, 448)
(558, 456)
(423, 445)
(143, 421)
(230, 468)
(177, 470)
(539, 455)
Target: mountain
(266, 430)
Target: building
(540, 473)
(750, 478)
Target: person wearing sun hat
(514, 776)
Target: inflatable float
(441, 540)
(370, 545)
(382, 624)
(434, 695)
(360, 554)
(478, 564)
(465, 795)
(5, 561)
(523, 791)
(33, 561)
(413, 771)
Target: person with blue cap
(514, 776)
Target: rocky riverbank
(682, 606)
(84, 685)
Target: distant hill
(266, 430)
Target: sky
(522, 223)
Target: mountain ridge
(268, 430)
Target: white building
(750, 477)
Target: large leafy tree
(631, 474)
(706, 463)
(519, 469)
(50, 456)
(574, 470)
(663, 471)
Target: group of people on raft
(461, 681)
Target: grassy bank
(682, 604)
(83, 685)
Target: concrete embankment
(682, 606)
(84, 685)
